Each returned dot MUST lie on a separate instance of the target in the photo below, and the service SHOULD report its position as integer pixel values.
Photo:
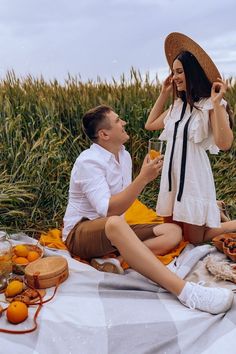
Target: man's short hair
(94, 120)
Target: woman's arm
(222, 132)
(156, 117)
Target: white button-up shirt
(95, 177)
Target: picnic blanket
(102, 313)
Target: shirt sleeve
(91, 177)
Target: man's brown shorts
(88, 239)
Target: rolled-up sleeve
(91, 176)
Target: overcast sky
(105, 38)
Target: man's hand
(120, 202)
(151, 168)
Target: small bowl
(20, 268)
(218, 241)
(229, 248)
(232, 255)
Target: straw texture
(175, 43)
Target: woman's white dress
(198, 203)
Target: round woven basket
(47, 272)
(20, 268)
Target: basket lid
(47, 267)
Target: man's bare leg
(143, 260)
(139, 256)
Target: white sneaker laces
(193, 298)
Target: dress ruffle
(200, 130)
(196, 211)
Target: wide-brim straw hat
(175, 43)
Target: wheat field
(41, 136)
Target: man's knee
(113, 225)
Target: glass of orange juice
(154, 148)
(5, 259)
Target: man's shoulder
(96, 155)
(88, 155)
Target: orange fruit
(14, 288)
(21, 251)
(153, 154)
(17, 312)
(13, 258)
(32, 256)
(21, 260)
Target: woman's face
(178, 75)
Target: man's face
(116, 132)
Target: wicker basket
(20, 268)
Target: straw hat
(176, 42)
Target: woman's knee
(177, 232)
(171, 230)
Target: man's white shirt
(95, 177)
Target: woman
(198, 120)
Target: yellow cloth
(138, 213)
(52, 239)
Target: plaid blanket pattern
(95, 312)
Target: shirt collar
(105, 153)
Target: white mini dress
(198, 198)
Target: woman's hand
(167, 85)
(218, 90)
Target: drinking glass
(5, 259)
(154, 148)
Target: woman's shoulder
(175, 106)
(206, 103)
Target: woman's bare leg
(168, 237)
(199, 234)
(226, 227)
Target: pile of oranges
(22, 254)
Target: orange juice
(5, 259)
(5, 268)
(153, 154)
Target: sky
(105, 38)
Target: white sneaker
(109, 265)
(212, 300)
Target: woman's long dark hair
(198, 85)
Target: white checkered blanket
(95, 312)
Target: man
(101, 191)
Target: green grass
(41, 136)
